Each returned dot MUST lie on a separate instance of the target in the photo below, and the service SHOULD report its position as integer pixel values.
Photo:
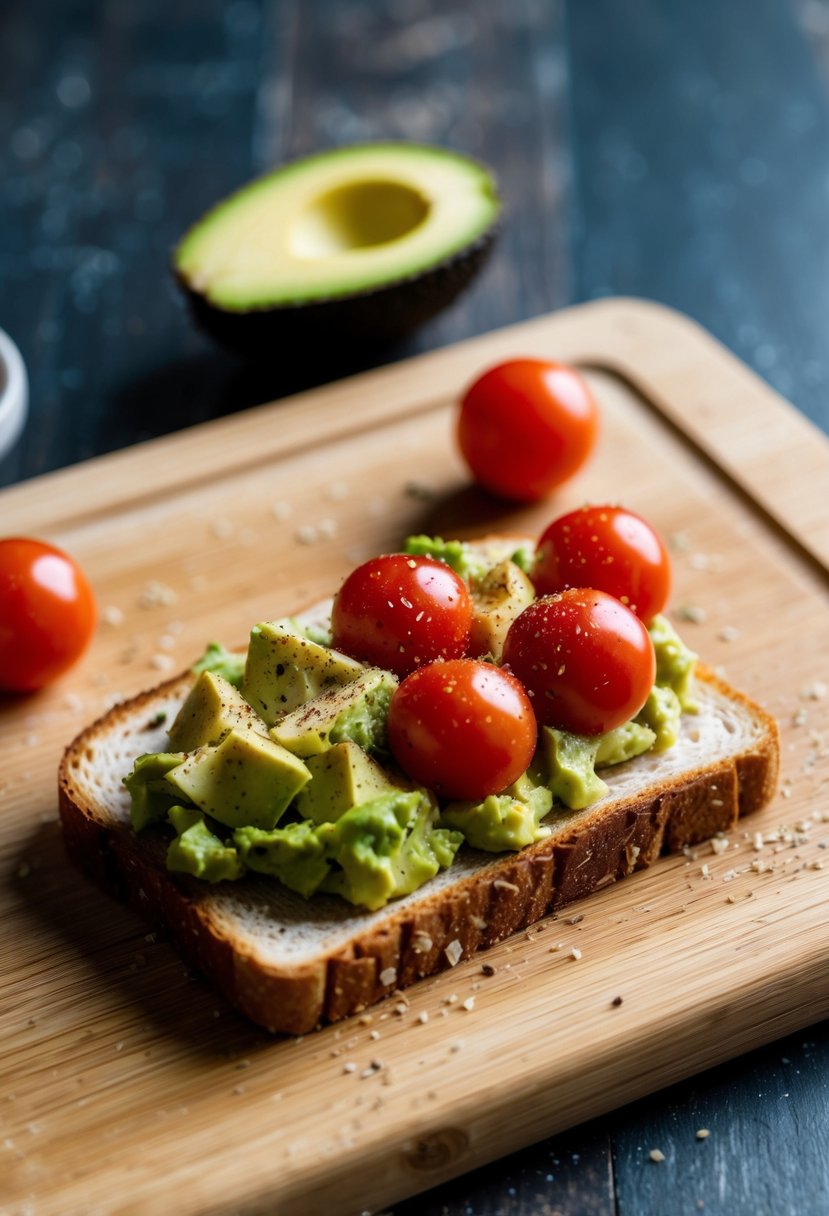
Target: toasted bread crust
(475, 912)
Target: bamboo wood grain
(126, 1085)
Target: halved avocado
(358, 244)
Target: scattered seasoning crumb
(282, 510)
(719, 844)
(157, 595)
(337, 491)
(729, 633)
(616, 1002)
(327, 528)
(680, 541)
(555, 946)
(388, 976)
(478, 923)
(350, 1066)
(731, 899)
(161, 662)
(800, 718)
(112, 616)
(487, 969)
(758, 842)
(422, 943)
(703, 1133)
(455, 1047)
(167, 641)
(814, 692)
(32, 740)
(454, 951)
(374, 1035)
(423, 1017)
(451, 999)
(238, 1089)
(656, 1155)
(468, 1004)
(501, 884)
(306, 534)
(366, 1019)
(400, 1008)
(575, 920)
(575, 953)
(691, 613)
(704, 871)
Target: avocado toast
(290, 962)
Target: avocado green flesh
(337, 224)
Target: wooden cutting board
(127, 1086)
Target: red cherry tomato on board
(608, 548)
(47, 613)
(400, 612)
(586, 660)
(526, 426)
(465, 729)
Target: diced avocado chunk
(198, 851)
(524, 557)
(294, 854)
(571, 760)
(285, 669)
(462, 558)
(497, 599)
(356, 711)
(150, 795)
(571, 773)
(226, 663)
(386, 848)
(213, 707)
(661, 713)
(342, 777)
(502, 822)
(313, 631)
(245, 780)
(675, 662)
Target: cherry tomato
(586, 660)
(47, 613)
(526, 426)
(465, 729)
(400, 612)
(610, 549)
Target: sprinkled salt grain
(166, 642)
(758, 842)
(422, 943)
(719, 845)
(575, 953)
(703, 1133)
(161, 662)
(704, 871)
(388, 976)
(800, 718)
(337, 491)
(327, 528)
(690, 612)
(814, 692)
(656, 1155)
(468, 1004)
(680, 541)
(729, 633)
(157, 595)
(350, 1067)
(374, 1034)
(453, 952)
(282, 510)
(478, 922)
(306, 534)
(423, 1017)
(112, 616)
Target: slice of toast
(290, 963)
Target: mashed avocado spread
(278, 765)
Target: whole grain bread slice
(290, 964)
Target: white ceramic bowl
(14, 393)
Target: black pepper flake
(616, 1002)
(487, 969)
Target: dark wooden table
(672, 150)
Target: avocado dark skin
(369, 319)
